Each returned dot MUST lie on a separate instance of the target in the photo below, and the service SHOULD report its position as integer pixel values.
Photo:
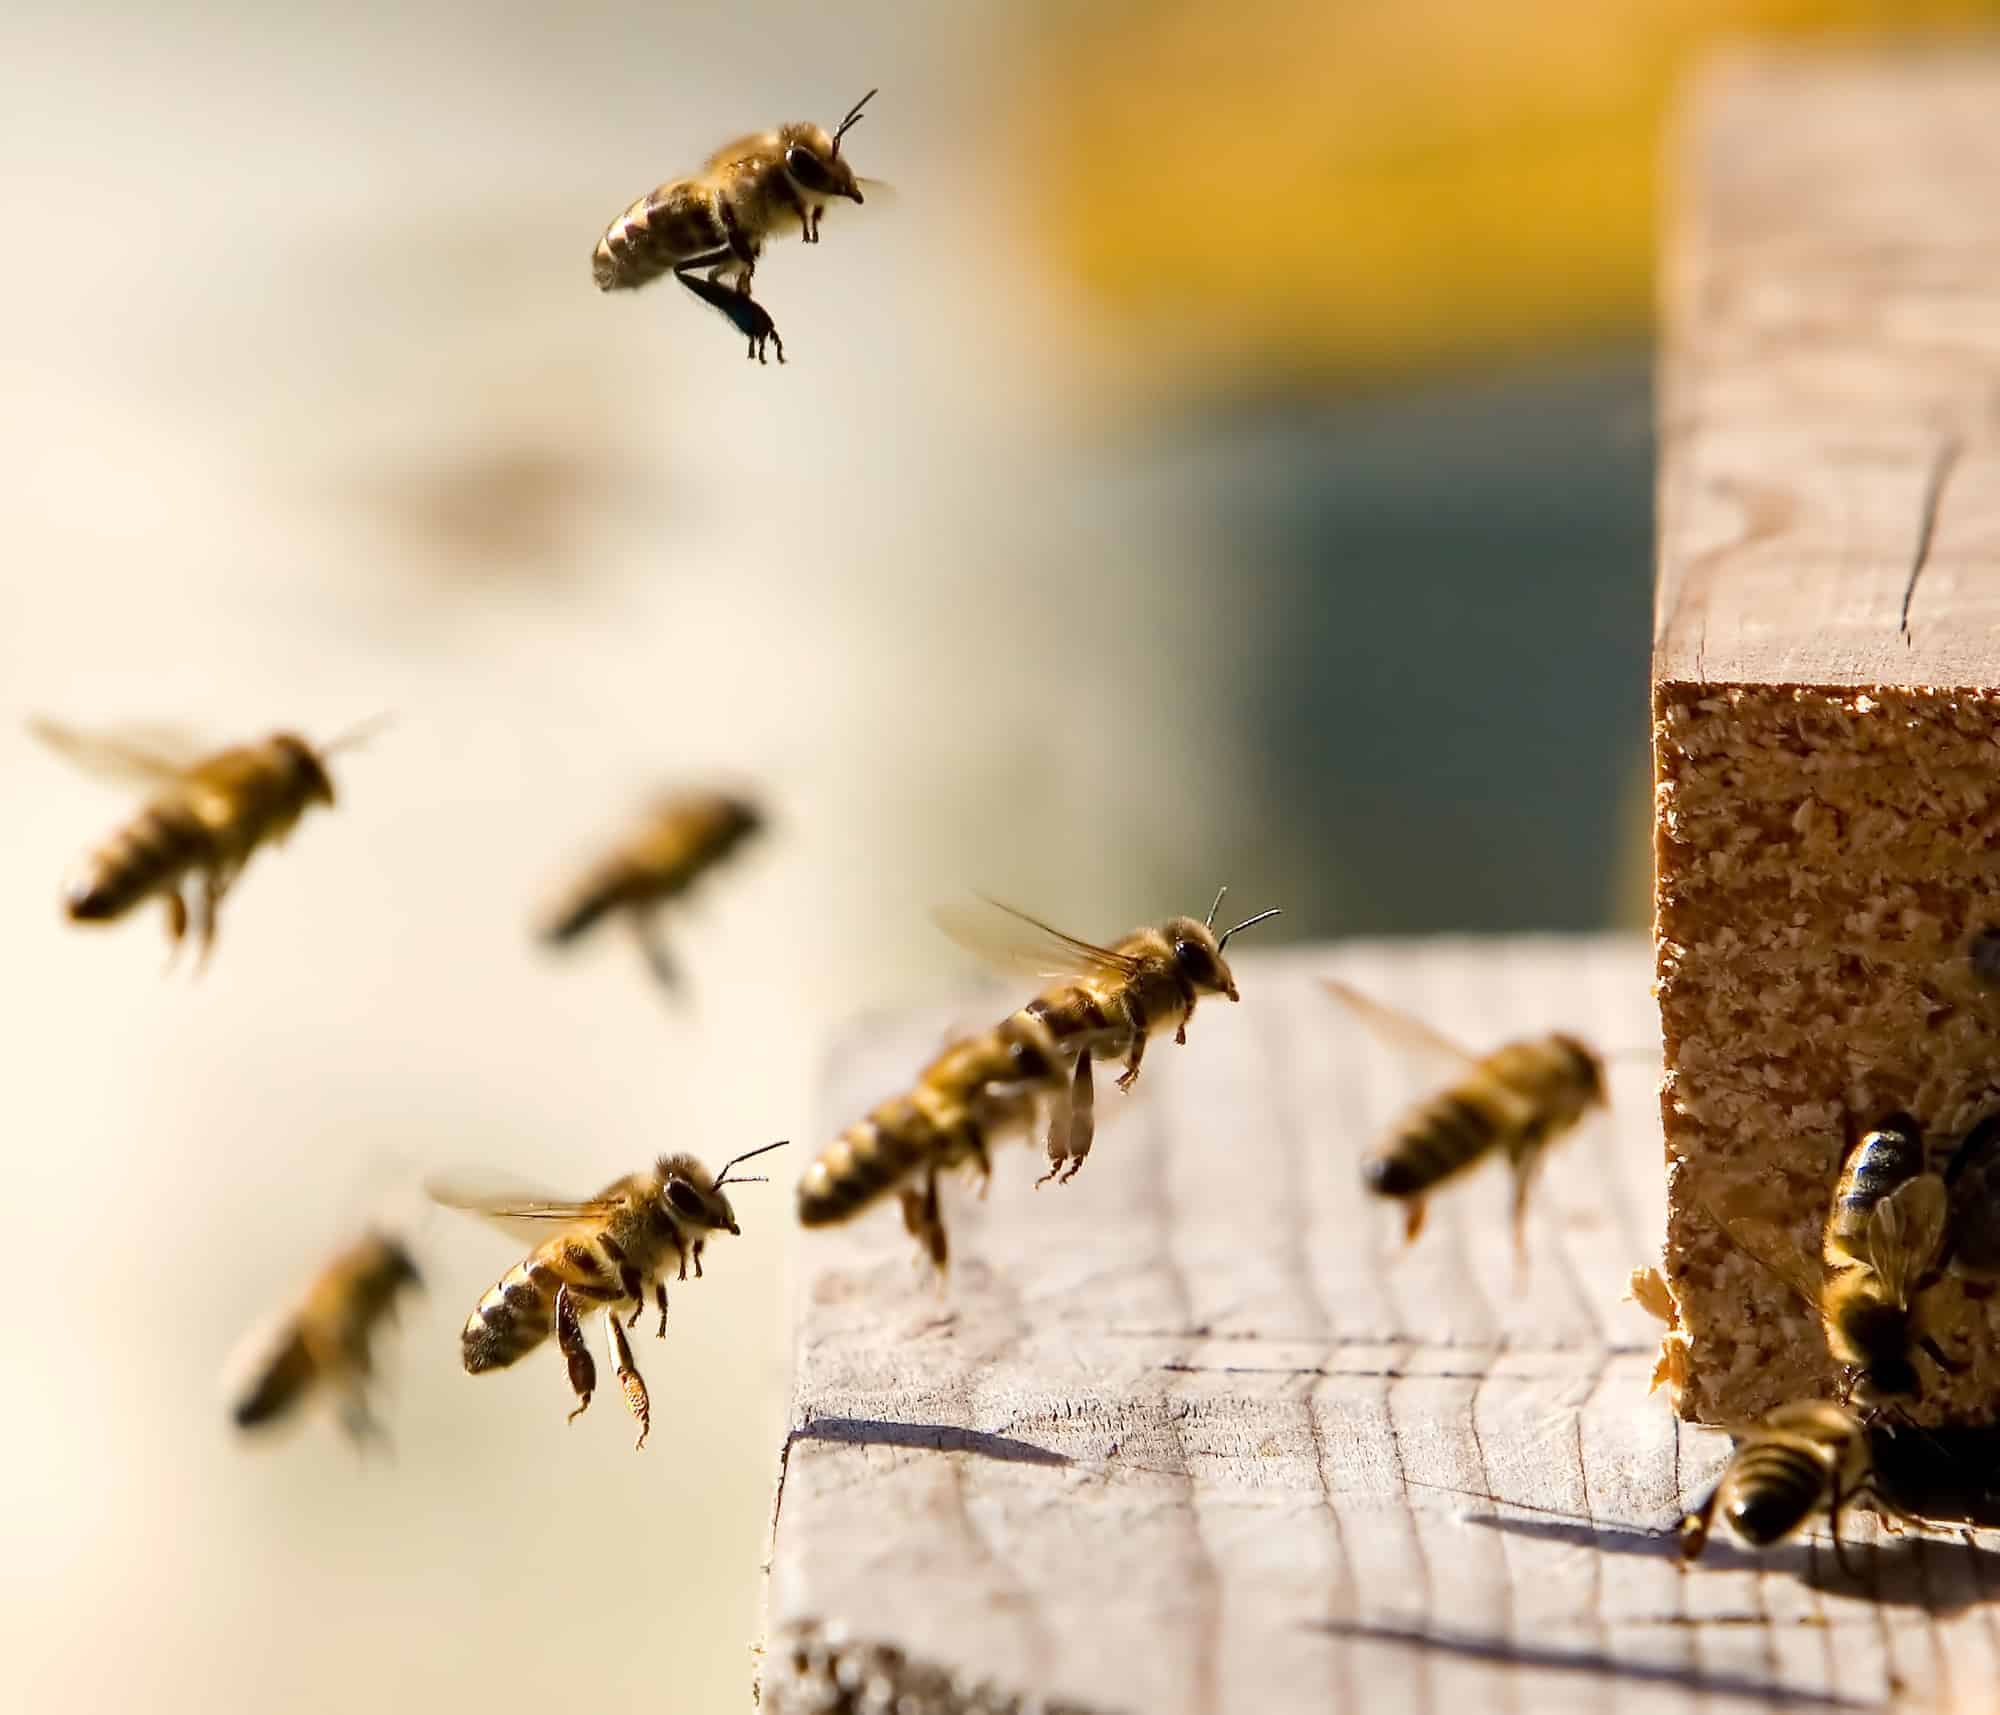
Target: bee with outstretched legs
(325, 1344)
(1109, 1002)
(1788, 1466)
(1513, 1103)
(208, 814)
(603, 1253)
(684, 837)
(713, 227)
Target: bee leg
(361, 1424)
(569, 1336)
(635, 1289)
(1950, 1366)
(1082, 1122)
(1058, 1139)
(211, 889)
(1413, 1219)
(660, 1298)
(629, 1378)
(659, 958)
(177, 922)
(745, 314)
(1694, 1526)
(697, 1259)
(1133, 1055)
(923, 1220)
(1834, 1503)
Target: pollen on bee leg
(636, 1399)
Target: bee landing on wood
(603, 1253)
(1110, 1001)
(715, 224)
(1789, 1465)
(324, 1345)
(684, 837)
(206, 817)
(1513, 1102)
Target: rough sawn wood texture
(1194, 1434)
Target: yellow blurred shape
(1351, 189)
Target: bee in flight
(207, 815)
(681, 839)
(715, 224)
(1513, 1102)
(324, 1344)
(1883, 1248)
(605, 1253)
(1106, 1004)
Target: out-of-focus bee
(1972, 1178)
(718, 221)
(1513, 1102)
(206, 816)
(1790, 1464)
(326, 1342)
(1110, 1001)
(683, 837)
(1884, 1244)
(603, 1253)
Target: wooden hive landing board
(1194, 1434)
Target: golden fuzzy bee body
(1512, 1103)
(712, 226)
(1801, 1459)
(1108, 1003)
(603, 1253)
(326, 1343)
(205, 819)
(681, 840)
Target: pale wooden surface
(1830, 381)
(1194, 1435)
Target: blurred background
(1229, 460)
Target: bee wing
(1013, 940)
(1772, 1249)
(879, 192)
(741, 149)
(130, 755)
(1397, 1029)
(1906, 1232)
(519, 1212)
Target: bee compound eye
(808, 168)
(686, 1199)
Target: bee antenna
(853, 118)
(748, 1155)
(1208, 922)
(1222, 940)
(358, 734)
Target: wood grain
(1195, 1434)
(1829, 498)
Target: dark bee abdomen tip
(89, 902)
(250, 1412)
(1390, 1176)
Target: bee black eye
(686, 1199)
(808, 168)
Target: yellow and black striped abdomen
(868, 1160)
(1442, 1137)
(1881, 1160)
(147, 856)
(1774, 1486)
(519, 1312)
(674, 224)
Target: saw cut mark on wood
(1197, 1435)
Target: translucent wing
(879, 192)
(518, 1211)
(1397, 1029)
(742, 149)
(1773, 1249)
(1015, 941)
(1906, 1232)
(131, 755)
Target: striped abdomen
(519, 1312)
(1883, 1159)
(677, 223)
(1774, 1486)
(280, 1384)
(869, 1159)
(148, 855)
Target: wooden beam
(1196, 1433)
(1827, 642)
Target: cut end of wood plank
(811, 1669)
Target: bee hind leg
(212, 886)
(1082, 1117)
(177, 923)
(924, 1221)
(1413, 1219)
(576, 1354)
(745, 314)
(660, 1298)
(1133, 1055)
(635, 1289)
(659, 957)
(629, 1379)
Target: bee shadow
(1595, 1663)
(934, 1437)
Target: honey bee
(1110, 1001)
(604, 1253)
(206, 817)
(1972, 1179)
(1878, 1163)
(1788, 1465)
(683, 837)
(1513, 1102)
(325, 1342)
(718, 221)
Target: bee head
(814, 164)
(1589, 1068)
(1198, 949)
(398, 1266)
(315, 784)
(694, 1197)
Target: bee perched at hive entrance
(1513, 1102)
(684, 837)
(715, 224)
(1109, 1002)
(603, 1253)
(206, 817)
(325, 1344)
